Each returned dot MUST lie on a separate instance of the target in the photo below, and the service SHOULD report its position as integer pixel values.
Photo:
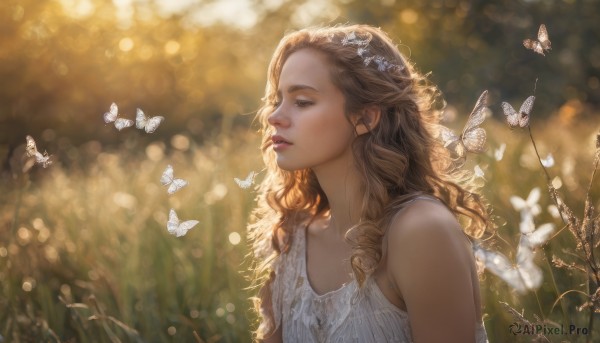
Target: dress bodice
(348, 314)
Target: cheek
(330, 132)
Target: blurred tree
(63, 62)
(474, 45)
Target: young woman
(356, 235)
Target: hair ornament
(362, 50)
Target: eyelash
(303, 103)
(299, 103)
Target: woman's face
(309, 114)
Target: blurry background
(93, 223)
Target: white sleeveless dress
(348, 314)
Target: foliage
(84, 252)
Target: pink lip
(279, 139)
(280, 143)
(280, 146)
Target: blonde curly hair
(398, 159)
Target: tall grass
(85, 255)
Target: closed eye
(303, 103)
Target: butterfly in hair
(541, 44)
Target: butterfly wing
(531, 275)
(176, 185)
(167, 176)
(44, 160)
(448, 136)
(30, 148)
(548, 162)
(496, 262)
(246, 182)
(140, 119)
(534, 45)
(474, 140)
(122, 123)
(500, 266)
(543, 38)
(452, 142)
(173, 222)
(534, 197)
(528, 271)
(112, 113)
(477, 116)
(184, 227)
(473, 137)
(540, 236)
(525, 111)
(512, 117)
(499, 153)
(153, 123)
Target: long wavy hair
(398, 159)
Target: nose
(278, 118)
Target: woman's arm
(428, 260)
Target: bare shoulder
(426, 244)
(429, 261)
(424, 220)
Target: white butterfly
(32, 151)
(168, 179)
(246, 182)
(148, 124)
(529, 206)
(535, 237)
(472, 138)
(499, 153)
(548, 161)
(543, 43)
(112, 116)
(179, 229)
(522, 276)
(520, 119)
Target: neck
(341, 184)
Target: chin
(289, 166)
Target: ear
(368, 119)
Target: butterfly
(168, 179)
(148, 124)
(527, 206)
(112, 116)
(179, 229)
(499, 153)
(523, 275)
(473, 137)
(540, 45)
(246, 182)
(548, 161)
(535, 237)
(32, 151)
(520, 119)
